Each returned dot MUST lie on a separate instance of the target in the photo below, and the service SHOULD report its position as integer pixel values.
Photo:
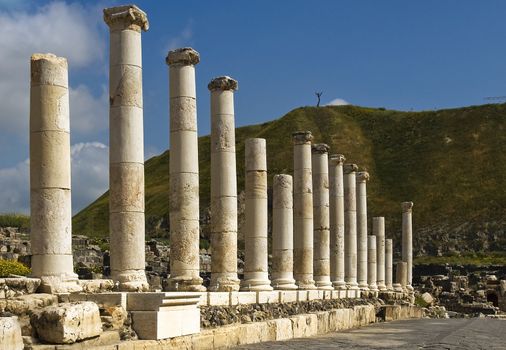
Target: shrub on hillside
(15, 220)
(12, 267)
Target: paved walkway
(474, 333)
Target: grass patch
(12, 267)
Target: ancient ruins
(323, 258)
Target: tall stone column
(126, 150)
(321, 221)
(378, 229)
(362, 178)
(183, 172)
(350, 226)
(223, 186)
(407, 240)
(255, 234)
(401, 276)
(50, 202)
(282, 233)
(336, 184)
(389, 264)
(371, 263)
(303, 210)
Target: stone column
(126, 150)
(389, 264)
(336, 184)
(282, 233)
(223, 186)
(407, 240)
(50, 202)
(401, 276)
(362, 178)
(255, 233)
(378, 229)
(321, 221)
(371, 263)
(303, 210)
(350, 226)
(183, 172)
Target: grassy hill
(450, 163)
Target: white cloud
(183, 39)
(337, 102)
(90, 179)
(87, 112)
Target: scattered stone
(427, 298)
(10, 334)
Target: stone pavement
(474, 333)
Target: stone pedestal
(407, 240)
(350, 226)
(336, 189)
(362, 178)
(389, 264)
(223, 187)
(282, 233)
(183, 172)
(371, 263)
(126, 147)
(378, 229)
(50, 203)
(303, 210)
(321, 220)
(401, 276)
(255, 233)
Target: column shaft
(371, 263)
(362, 178)
(401, 276)
(389, 264)
(183, 172)
(50, 201)
(378, 229)
(407, 240)
(303, 211)
(321, 221)
(255, 234)
(126, 150)
(282, 233)
(336, 205)
(350, 226)
(223, 186)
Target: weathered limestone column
(282, 233)
(126, 151)
(362, 178)
(223, 186)
(303, 210)
(50, 202)
(371, 263)
(321, 221)
(407, 240)
(350, 226)
(378, 229)
(389, 251)
(183, 172)
(255, 234)
(336, 184)
(401, 276)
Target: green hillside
(450, 163)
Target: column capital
(362, 176)
(407, 207)
(350, 168)
(320, 148)
(302, 137)
(126, 17)
(185, 56)
(223, 83)
(336, 159)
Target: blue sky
(395, 54)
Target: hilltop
(451, 163)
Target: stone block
(314, 294)
(226, 337)
(323, 322)
(302, 295)
(167, 323)
(156, 301)
(10, 334)
(327, 294)
(203, 340)
(283, 328)
(256, 332)
(242, 298)
(268, 297)
(304, 325)
(218, 298)
(67, 323)
(97, 285)
(288, 296)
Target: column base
(59, 284)
(352, 285)
(284, 284)
(324, 285)
(254, 285)
(398, 288)
(185, 283)
(410, 288)
(305, 284)
(130, 281)
(225, 283)
(373, 287)
(339, 285)
(363, 286)
(382, 287)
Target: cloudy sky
(407, 55)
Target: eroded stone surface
(10, 334)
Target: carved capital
(185, 56)
(222, 83)
(320, 148)
(362, 176)
(350, 168)
(126, 17)
(407, 207)
(336, 159)
(302, 137)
